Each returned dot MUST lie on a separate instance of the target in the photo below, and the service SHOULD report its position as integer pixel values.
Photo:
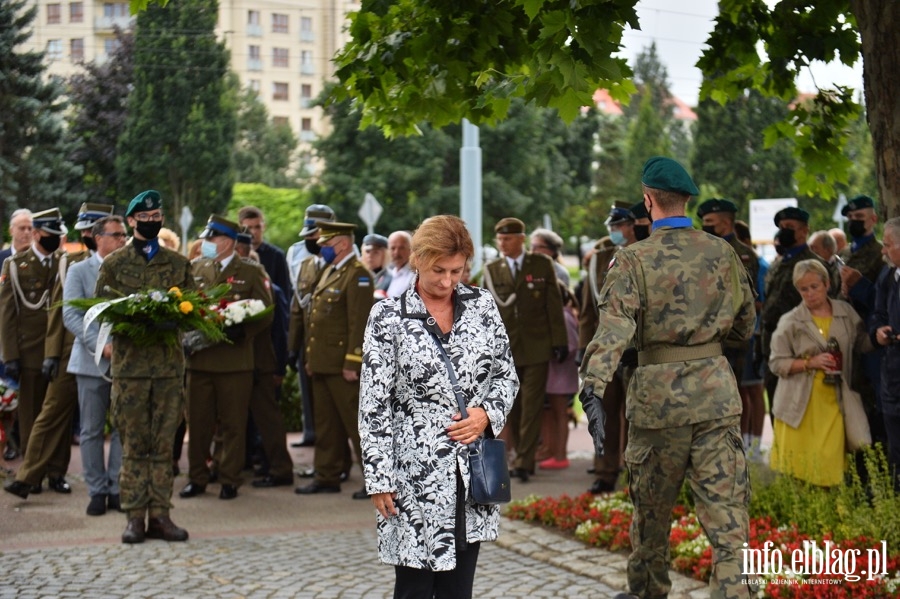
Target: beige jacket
(798, 337)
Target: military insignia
(530, 285)
(267, 283)
(363, 281)
(147, 201)
(611, 263)
(3, 279)
(23, 265)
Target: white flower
(158, 296)
(238, 311)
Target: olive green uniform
(867, 259)
(531, 308)
(338, 310)
(220, 378)
(678, 295)
(147, 395)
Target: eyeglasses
(114, 235)
(143, 217)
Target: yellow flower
(176, 292)
(186, 307)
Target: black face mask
(149, 229)
(780, 250)
(90, 243)
(49, 243)
(857, 228)
(787, 238)
(711, 229)
(312, 246)
(641, 232)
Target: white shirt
(515, 264)
(401, 279)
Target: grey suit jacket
(80, 283)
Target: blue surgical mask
(328, 254)
(617, 237)
(208, 249)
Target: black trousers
(413, 583)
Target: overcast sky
(680, 30)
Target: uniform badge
(363, 282)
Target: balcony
(307, 69)
(254, 64)
(307, 36)
(307, 136)
(109, 23)
(254, 31)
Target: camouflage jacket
(680, 290)
(867, 259)
(124, 272)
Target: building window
(279, 23)
(306, 65)
(54, 49)
(305, 95)
(254, 62)
(110, 45)
(306, 129)
(306, 30)
(279, 91)
(113, 10)
(76, 12)
(279, 57)
(76, 49)
(254, 86)
(53, 14)
(254, 26)
(281, 121)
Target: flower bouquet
(229, 314)
(157, 317)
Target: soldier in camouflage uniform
(677, 295)
(147, 397)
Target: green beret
(145, 202)
(858, 203)
(510, 226)
(327, 230)
(89, 213)
(50, 221)
(219, 225)
(791, 213)
(666, 174)
(639, 211)
(716, 205)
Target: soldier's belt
(664, 355)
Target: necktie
(513, 269)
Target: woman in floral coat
(413, 440)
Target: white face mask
(617, 237)
(208, 249)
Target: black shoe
(213, 476)
(114, 503)
(59, 484)
(10, 453)
(304, 443)
(316, 487)
(97, 505)
(163, 528)
(361, 494)
(626, 596)
(192, 490)
(134, 531)
(18, 488)
(273, 481)
(602, 486)
(521, 474)
(228, 492)
(36, 489)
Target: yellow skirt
(814, 451)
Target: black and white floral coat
(406, 405)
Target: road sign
(370, 211)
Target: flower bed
(604, 520)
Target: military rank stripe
(352, 358)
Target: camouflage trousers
(146, 411)
(711, 456)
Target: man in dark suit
(272, 258)
(220, 378)
(524, 286)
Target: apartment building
(280, 49)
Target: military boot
(134, 531)
(162, 527)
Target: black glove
(560, 353)
(293, 359)
(50, 368)
(629, 358)
(579, 356)
(235, 333)
(593, 409)
(12, 370)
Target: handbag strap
(454, 382)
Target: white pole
(470, 209)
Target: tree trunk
(879, 27)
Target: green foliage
(854, 508)
(443, 61)
(283, 209)
(263, 150)
(34, 172)
(181, 125)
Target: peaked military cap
(666, 174)
(639, 211)
(374, 239)
(219, 225)
(50, 221)
(313, 215)
(510, 226)
(89, 213)
(791, 213)
(858, 203)
(244, 237)
(716, 205)
(328, 229)
(618, 215)
(144, 202)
